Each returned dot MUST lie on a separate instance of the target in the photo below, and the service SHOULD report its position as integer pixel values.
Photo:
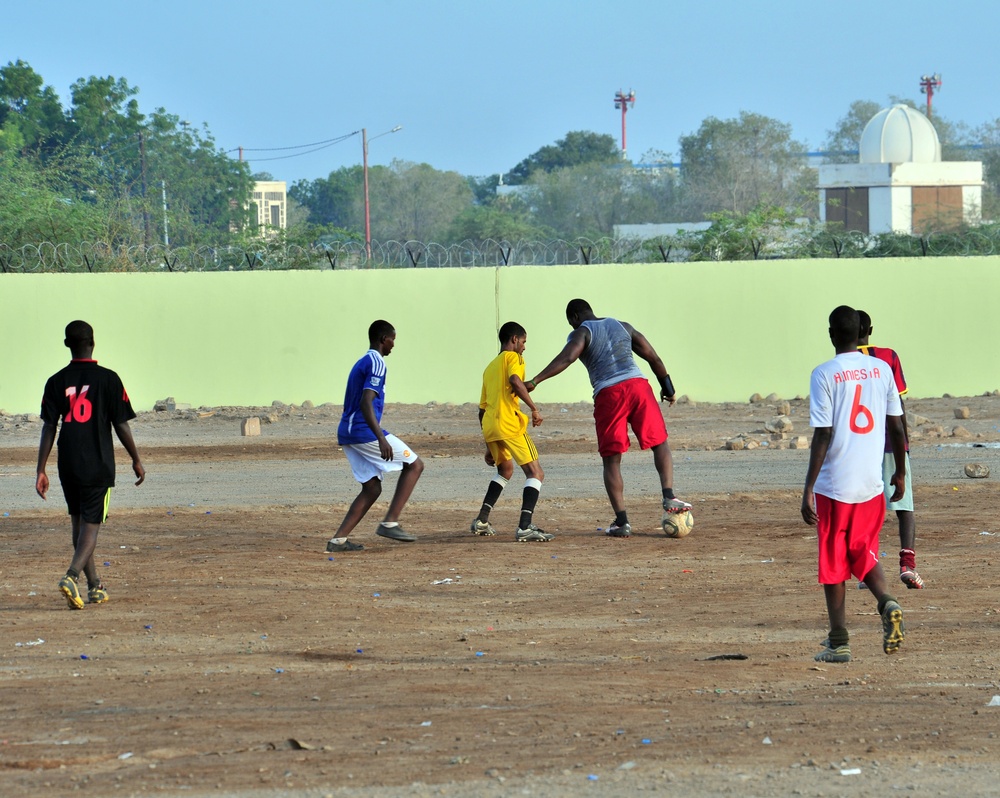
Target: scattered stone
(735, 444)
(961, 412)
(779, 436)
(772, 398)
(277, 405)
(960, 432)
(756, 399)
(799, 442)
(779, 424)
(32, 418)
(170, 405)
(913, 420)
(250, 427)
(751, 444)
(307, 405)
(977, 470)
(783, 408)
(947, 396)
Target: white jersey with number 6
(853, 393)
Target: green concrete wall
(725, 330)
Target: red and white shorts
(848, 537)
(628, 403)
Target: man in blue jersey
(622, 399)
(370, 450)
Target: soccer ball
(678, 525)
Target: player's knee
(533, 470)
(506, 469)
(416, 467)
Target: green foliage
(337, 199)
(415, 202)
(842, 142)
(762, 232)
(578, 148)
(737, 165)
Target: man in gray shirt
(622, 398)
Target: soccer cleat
(862, 585)
(910, 578)
(838, 654)
(394, 533)
(347, 545)
(892, 627)
(482, 528)
(675, 506)
(615, 531)
(532, 535)
(71, 591)
(97, 595)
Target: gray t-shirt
(608, 356)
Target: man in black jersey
(89, 400)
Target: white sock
(390, 523)
(338, 540)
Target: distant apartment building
(270, 205)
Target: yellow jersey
(502, 417)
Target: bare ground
(236, 657)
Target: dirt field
(237, 658)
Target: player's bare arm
(567, 357)
(521, 391)
(817, 454)
(368, 413)
(897, 438)
(44, 449)
(644, 349)
(124, 433)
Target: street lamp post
(368, 221)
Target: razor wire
(100, 256)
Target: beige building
(270, 199)
(900, 184)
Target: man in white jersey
(853, 401)
(622, 399)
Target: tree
(337, 199)
(31, 115)
(508, 218)
(576, 149)
(739, 164)
(416, 202)
(842, 142)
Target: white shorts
(888, 469)
(366, 459)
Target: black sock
(74, 574)
(838, 637)
(668, 493)
(493, 491)
(621, 518)
(529, 498)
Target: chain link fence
(707, 245)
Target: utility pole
(928, 83)
(166, 233)
(145, 208)
(624, 101)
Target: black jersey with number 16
(88, 399)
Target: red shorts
(848, 537)
(629, 403)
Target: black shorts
(86, 501)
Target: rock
(164, 404)
(799, 442)
(32, 418)
(779, 424)
(250, 427)
(307, 405)
(779, 436)
(913, 420)
(960, 432)
(751, 444)
(278, 405)
(772, 398)
(783, 408)
(735, 444)
(977, 470)
(961, 412)
(756, 399)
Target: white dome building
(900, 183)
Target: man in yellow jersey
(505, 429)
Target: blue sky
(480, 85)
